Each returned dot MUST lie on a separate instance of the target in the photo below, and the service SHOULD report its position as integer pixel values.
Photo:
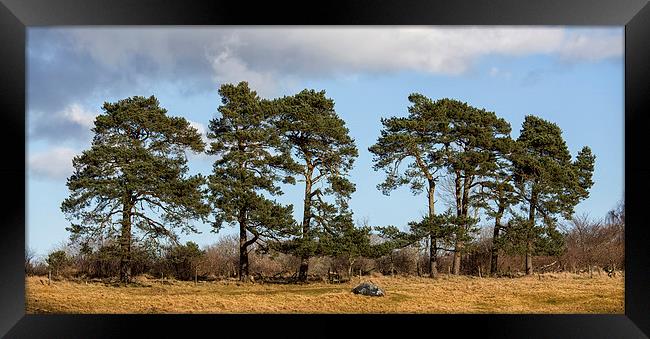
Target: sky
(572, 76)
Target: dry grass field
(548, 293)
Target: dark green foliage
(547, 240)
(474, 140)
(104, 262)
(135, 174)
(57, 260)
(497, 195)
(443, 227)
(324, 153)
(415, 142)
(443, 137)
(251, 160)
(547, 181)
(418, 143)
(183, 260)
(346, 241)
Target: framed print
(344, 168)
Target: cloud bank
(55, 163)
(75, 63)
(69, 70)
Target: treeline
(590, 246)
(134, 181)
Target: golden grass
(549, 293)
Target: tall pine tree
(497, 196)
(410, 150)
(474, 138)
(324, 153)
(548, 182)
(251, 161)
(134, 178)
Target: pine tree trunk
(306, 219)
(243, 247)
(433, 248)
(529, 243)
(494, 258)
(304, 267)
(125, 241)
(459, 212)
(457, 257)
(433, 260)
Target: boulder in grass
(369, 289)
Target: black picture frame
(16, 15)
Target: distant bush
(57, 260)
(104, 262)
(183, 260)
(402, 261)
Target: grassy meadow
(546, 293)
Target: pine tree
(416, 143)
(251, 161)
(497, 196)
(474, 138)
(324, 154)
(134, 177)
(437, 138)
(548, 182)
(344, 240)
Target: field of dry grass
(549, 293)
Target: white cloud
(203, 131)
(55, 163)
(598, 45)
(497, 72)
(230, 69)
(73, 122)
(269, 57)
(78, 115)
(201, 128)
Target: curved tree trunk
(462, 197)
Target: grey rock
(369, 289)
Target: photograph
(420, 169)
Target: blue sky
(571, 76)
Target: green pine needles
(134, 177)
(134, 181)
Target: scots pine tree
(251, 160)
(497, 196)
(472, 142)
(323, 153)
(410, 151)
(548, 182)
(134, 178)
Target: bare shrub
(30, 257)
(222, 258)
(595, 243)
(401, 261)
(264, 264)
